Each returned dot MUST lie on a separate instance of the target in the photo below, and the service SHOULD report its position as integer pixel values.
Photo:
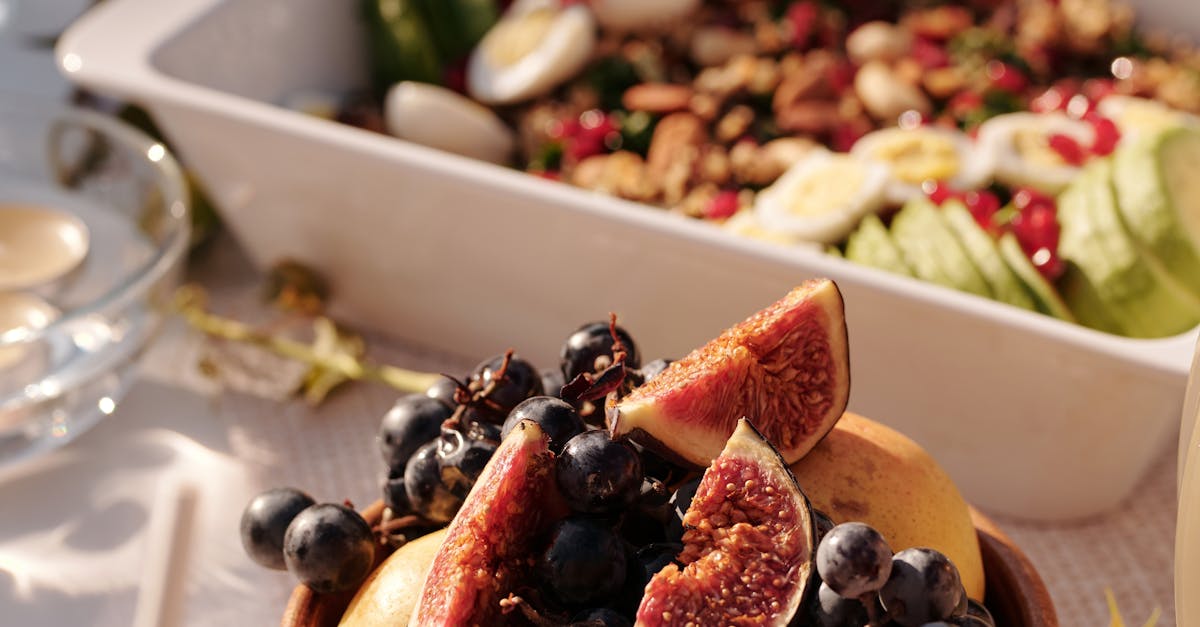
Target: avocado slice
(932, 250)
(870, 245)
(981, 248)
(1045, 298)
(1131, 289)
(1158, 194)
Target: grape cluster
(326, 546)
(627, 503)
(436, 444)
(862, 583)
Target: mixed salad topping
(1031, 151)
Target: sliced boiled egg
(925, 153)
(1028, 148)
(536, 46)
(1142, 116)
(638, 15)
(822, 197)
(746, 224)
(441, 118)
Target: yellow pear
(391, 590)
(864, 471)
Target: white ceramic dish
(1033, 417)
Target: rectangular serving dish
(1033, 417)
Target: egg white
(556, 51)
(998, 137)
(441, 118)
(839, 204)
(974, 166)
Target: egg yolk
(1034, 147)
(829, 186)
(516, 37)
(919, 156)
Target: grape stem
(190, 302)
(874, 618)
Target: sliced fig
(487, 551)
(787, 368)
(748, 545)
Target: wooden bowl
(1016, 594)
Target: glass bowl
(68, 364)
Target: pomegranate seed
(1048, 263)
(983, 205)
(929, 54)
(1053, 99)
(845, 135)
(1026, 197)
(802, 17)
(964, 103)
(1107, 134)
(938, 191)
(840, 76)
(1036, 228)
(589, 136)
(1067, 148)
(563, 129)
(1006, 77)
(722, 206)
(454, 75)
(1097, 88)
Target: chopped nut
(941, 23)
(621, 173)
(734, 124)
(908, 70)
(761, 165)
(810, 117)
(882, 41)
(674, 149)
(716, 45)
(692, 205)
(885, 96)
(705, 106)
(943, 82)
(766, 77)
(714, 165)
(799, 86)
(657, 97)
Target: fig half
(487, 551)
(748, 544)
(787, 368)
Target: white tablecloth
(73, 525)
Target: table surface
(73, 537)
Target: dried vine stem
(190, 301)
